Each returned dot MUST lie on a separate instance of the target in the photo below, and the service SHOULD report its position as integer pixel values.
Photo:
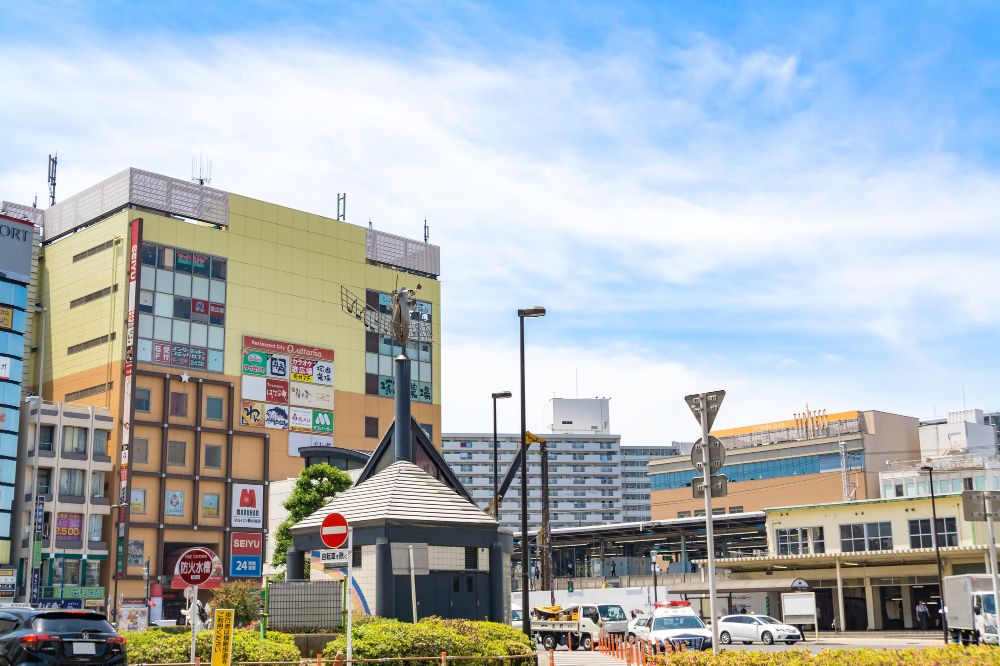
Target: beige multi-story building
(814, 456)
(227, 338)
(67, 470)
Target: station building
(222, 335)
(814, 455)
(869, 561)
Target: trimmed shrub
(951, 655)
(380, 638)
(156, 646)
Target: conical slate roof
(401, 492)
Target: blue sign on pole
(247, 566)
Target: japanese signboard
(278, 376)
(245, 556)
(68, 527)
(302, 369)
(222, 637)
(6, 318)
(276, 416)
(300, 419)
(247, 504)
(254, 362)
(310, 395)
(252, 413)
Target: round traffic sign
(716, 455)
(195, 565)
(333, 531)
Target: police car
(675, 626)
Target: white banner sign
(335, 557)
(247, 505)
(310, 395)
(253, 388)
(301, 440)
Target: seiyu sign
(15, 247)
(247, 505)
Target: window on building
(95, 528)
(178, 404)
(74, 440)
(799, 540)
(142, 397)
(213, 408)
(140, 450)
(71, 482)
(44, 481)
(177, 453)
(213, 456)
(210, 505)
(863, 537)
(579, 456)
(371, 429)
(47, 438)
(428, 430)
(683, 514)
(101, 442)
(97, 484)
(967, 483)
(699, 513)
(138, 501)
(921, 537)
(736, 509)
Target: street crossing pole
(709, 525)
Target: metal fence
(308, 604)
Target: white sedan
(753, 628)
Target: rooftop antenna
(427, 231)
(341, 206)
(53, 162)
(370, 225)
(201, 170)
(34, 204)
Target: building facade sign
(247, 504)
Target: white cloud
(599, 187)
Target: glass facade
(182, 308)
(380, 350)
(13, 304)
(766, 469)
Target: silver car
(753, 628)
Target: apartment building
(636, 486)
(67, 482)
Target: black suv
(29, 636)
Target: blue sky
(794, 202)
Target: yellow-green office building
(215, 329)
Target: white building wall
(957, 437)
(581, 416)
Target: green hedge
(381, 638)
(156, 646)
(952, 655)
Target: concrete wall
(959, 438)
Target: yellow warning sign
(222, 637)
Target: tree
(241, 596)
(315, 487)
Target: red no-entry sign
(333, 531)
(195, 565)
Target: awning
(726, 585)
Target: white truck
(575, 626)
(971, 609)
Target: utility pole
(545, 530)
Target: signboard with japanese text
(310, 395)
(277, 366)
(300, 419)
(302, 369)
(287, 386)
(247, 504)
(302, 440)
(222, 637)
(245, 554)
(68, 527)
(276, 391)
(276, 416)
(6, 318)
(252, 413)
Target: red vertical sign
(128, 379)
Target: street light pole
(937, 552)
(536, 311)
(496, 466)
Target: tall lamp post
(536, 311)
(937, 551)
(496, 482)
